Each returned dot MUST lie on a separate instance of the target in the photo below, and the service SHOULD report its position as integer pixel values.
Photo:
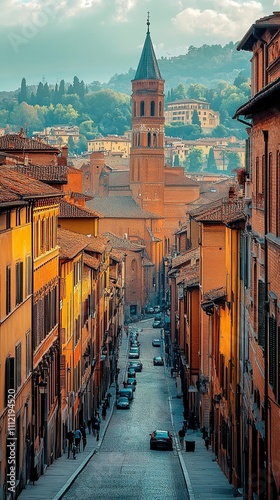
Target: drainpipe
(266, 347)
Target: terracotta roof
(152, 236)
(117, 255)
(147, 262)
(188, 256)
(214, 294)
(178, 180)
(119, 178)
(44, 173)
(79, 196)
(257, 29)
(123, 243)
(71, 210)
(119, 207)
(91, 261)
(96, 244)
(23, 187)
(226, 211)
(18, 142)
(69, 244)
(189, 276)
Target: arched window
(160, 108)
(154, 140)
(152, 108)
(142, 108)
(134, 109)
(149, 139)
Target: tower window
(149, 139)
(152, 108)
(142, 108)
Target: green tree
(61, 90)
(194, 161)
(197, 92)
(88, 129)
(234, 161)
(179, 92)
(195, 119)
(23, 94)
(40, 94)
(26, 116)
(211, 162)
(71, 145)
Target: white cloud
(229, 22)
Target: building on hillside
(177, 151)
(112, 145)
(260, 319)
(181, 111)
(59, 136)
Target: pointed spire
(148, 67)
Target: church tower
(147, 148)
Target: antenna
(148, 22)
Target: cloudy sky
(94, 39)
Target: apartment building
(113, 145)
(181, 111)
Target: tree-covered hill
(206, 65)
(216, 74)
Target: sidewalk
(203, 476)
(60, 475)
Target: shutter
(18, 365)
(62, 371)
(272, 353)
(261, 313)
(9, 376)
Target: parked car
(156, 342)
(156, 309)
(157, 323)
(131, 372)
(161, 439)
(131, 381)
(131, 386)
(127, 393)
(150, 310)
(135, 343)
(123, 403)
(135, 365)
(134, 353)
(158, 361)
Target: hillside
(205, 65)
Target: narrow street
(125, 467)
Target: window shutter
(18, 365)
(272, 353)
(10, 376)
(261, 313)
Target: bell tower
(147, 147)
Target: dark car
(161, 440)
(131, 372)
(158, 361)
(135, 365)
(157, 323)
(130, 386)
(123, 403)
(131, 381)
(150, 310)
(156, 342)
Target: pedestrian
(182, 434)
(97, 429)
(78, 437)
(89, 423)
(109, 395)
(70, 439)
(84, 437)
(207, 442)
(104, 410)
(74, 451)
